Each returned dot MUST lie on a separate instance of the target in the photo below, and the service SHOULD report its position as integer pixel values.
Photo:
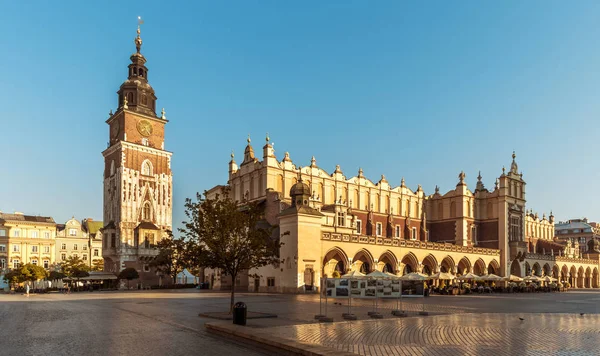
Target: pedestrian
(27, 289)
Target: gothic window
(146, 211)
(130, 98)
(358, 227)
(515, 228)
(144, 99)
(453, 210)
(398, 231)
(135, 70)
(141, 72)
(146, 168)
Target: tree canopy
(129, 274)
(26, 272)
(233, 237)
(173, 256)
(98, 265)
(74, 267)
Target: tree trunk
(233, 277)
(232, 299)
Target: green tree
(129, 274)
(172, 256)
(233, 238)
(32, 272)
(74, 265)
(56, 275)
(14, 277)
(98, 265)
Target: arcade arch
(335, 260)
(463, 267)
(448, 265)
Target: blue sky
(420, 91)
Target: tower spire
(138, 39)
(139, 93)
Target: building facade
(137, 176)
(26, 239)
(577, 231)
(328, 222)
(80, 239)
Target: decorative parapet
(576, 260)
(539, 256)
(384, 241)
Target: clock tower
(138, 184)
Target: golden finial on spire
(268, 138)
(138, 39)
(249, 139)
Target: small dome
(300, 188)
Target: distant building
(26, 239)
(578, 231)
(81, 239)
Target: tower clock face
(144, 127)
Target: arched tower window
(146, 168)
(146, 211)
(130, 98)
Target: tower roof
(136, 94)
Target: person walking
(27, 289)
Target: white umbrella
(513, 278)
(469, 276)
(491, 277)
(414, 276)
(391, 275)
(353, 274)
(442, 275)
(378, 274)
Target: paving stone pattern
(463, 334)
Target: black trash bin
(239, 313)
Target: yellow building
(330, 221)
(81, 239)
(26, 239)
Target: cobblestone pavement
(463, 334)
(167, 323)
(121, 323)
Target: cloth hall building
(333, 221)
